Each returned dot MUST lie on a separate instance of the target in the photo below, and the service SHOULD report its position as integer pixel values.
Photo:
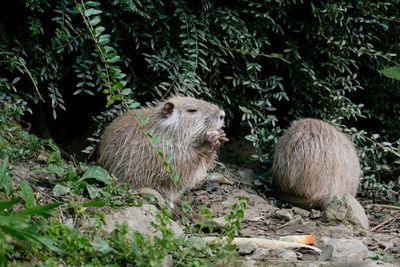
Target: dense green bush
(266, 63)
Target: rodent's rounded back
(313, 162)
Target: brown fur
(313, 162)
(125, 152)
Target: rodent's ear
(167, 109)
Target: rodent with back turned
(313, 162)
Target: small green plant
(378, 254)
(6, 184)
(93, 181)
(17, 226)
(234, 219)
(89, 182)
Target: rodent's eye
(192, 110)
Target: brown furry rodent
(313, 162)
(190, 129)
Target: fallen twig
(262, 243)
(386, 206)
(383, 223)
(289, 223)
(387, 231)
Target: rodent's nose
(221, 115)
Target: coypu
(190, 129)
(313, 162)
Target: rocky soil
(345, 234)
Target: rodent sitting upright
(313, 162)
(190, 129)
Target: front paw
(216, 138)
(222, 136)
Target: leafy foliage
(17, 226)
(392, 72)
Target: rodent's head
(188, 117)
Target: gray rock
(344, 250)
(340, 231)
(247, 175)
(220, 221)
(43, 157)
(315, 214)
(168, 261)
(286, 263)
(384, 241)
(211, 187)
(260, 253)
(247, 248)
(286, 254)
(218, 177)
(249, 263)
(138, 219)
(145, 191)
(366, 263)
(284, 214)
(346, 208)
(302, 212)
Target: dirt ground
(263, 216)
(263, 219)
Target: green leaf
(25, 135)
(91, 11)
(392, 72)
(97, 203)
(171, 169)
(60, 190)
(56, 169)
(95, 21)
(13, 220)
(138, 115)
(112, 58)
(176, 177)
(27, 194)
(97, 173)
(40, 209)
(104, 39)
(5, 177)
(134, 105)
(99, 30)
(101, 245)
(276, 55)
(7, 204)
(126, 91)
(144, 121)
(169, 159)
(116, 98)
(16, 79)
(93, 191)
(149, 133)
(156, 140)
(92, 3)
